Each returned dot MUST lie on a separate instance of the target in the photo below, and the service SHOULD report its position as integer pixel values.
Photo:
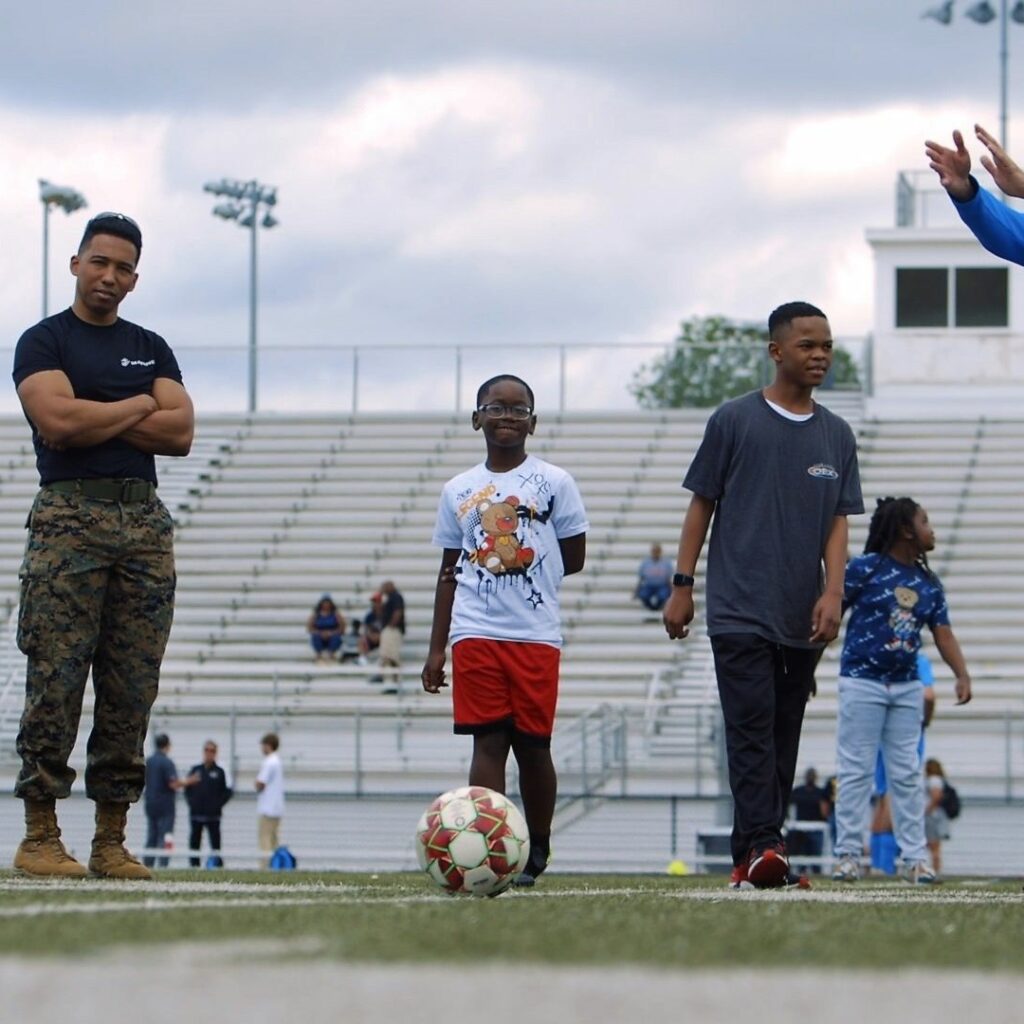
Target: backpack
(282, 860)
(950, 801)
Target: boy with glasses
(103, 396)
(511, 528)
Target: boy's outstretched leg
(538, 786)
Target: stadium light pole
(243, 200)
(982, 13)
(68, 200)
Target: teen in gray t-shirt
(777, 485)
(778, 475)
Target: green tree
(714, 359)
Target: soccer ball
(472, 840)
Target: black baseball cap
(118, 224)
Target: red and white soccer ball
(472, 840)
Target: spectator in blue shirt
(654, 582)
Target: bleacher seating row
(280, 508)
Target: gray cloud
(459, 173)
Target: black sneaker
(535, 866)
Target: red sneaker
(738, 879)
(768, 868)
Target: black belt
(125, 491)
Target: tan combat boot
(41, 852)
(109, 857)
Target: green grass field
(567, 920)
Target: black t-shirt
(104, 364)
(394, 603)
(808, 800)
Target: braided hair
(891, 517)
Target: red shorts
(498, 684)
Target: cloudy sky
(491, 175)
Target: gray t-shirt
(777, 485)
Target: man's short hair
(117, 224)
(785, 314)
(271, 740)
(161, 741)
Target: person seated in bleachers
(373, 623)
(654, 582)
(351, 644)
(325, 626)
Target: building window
(922, 297)
(957, 296)
(981, 297)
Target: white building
(948, 337)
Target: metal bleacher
(274, 510)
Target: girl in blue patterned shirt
(892, 594)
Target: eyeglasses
(498, 410)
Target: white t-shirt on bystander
(270, 799)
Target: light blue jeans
(872, 715)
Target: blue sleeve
(857, 571)
(999, 228)
(924, 670)
(940, 611)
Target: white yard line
(160, 896)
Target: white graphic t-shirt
(508, 526)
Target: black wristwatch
(680, 579)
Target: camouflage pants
(97, 590)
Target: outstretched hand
(953, 166)
(1005, 172)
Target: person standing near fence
(159, 799)
(206, 793)
(103, 396)
(270, 796)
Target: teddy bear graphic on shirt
(902, 620)
(500, 549)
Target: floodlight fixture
(245, 199)
(943, 13)
(69, 200)
(982, 13)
